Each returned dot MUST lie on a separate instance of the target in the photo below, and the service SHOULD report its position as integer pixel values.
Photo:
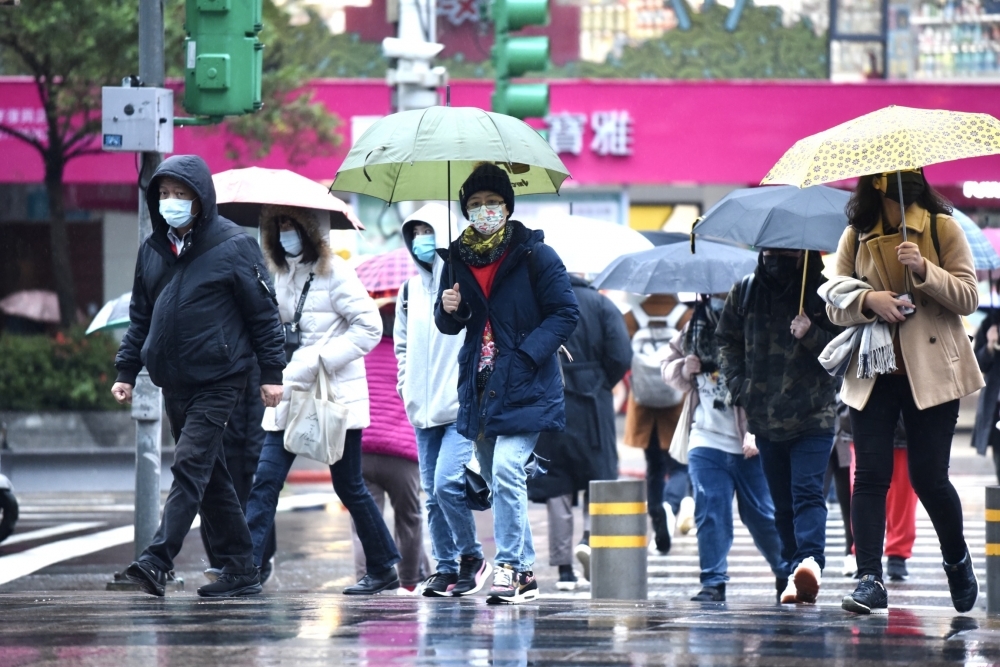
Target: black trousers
(928, 442)
(197, 421)
(242, 443)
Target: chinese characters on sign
(458, 12)
(28, 120)
(612, 132)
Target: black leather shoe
(230, 585)
(152, 579)
(895, 568)
(371, 583)
(266, 570)
(962, 583)
(780, 584)
(711, 594)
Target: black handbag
(293, 337)
(477, 493)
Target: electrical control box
(137, 119)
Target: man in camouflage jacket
(768, 354)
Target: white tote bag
(317, 424)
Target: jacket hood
(435, 215)
(315, 224)
(193, 172)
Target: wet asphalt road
(61, 613)
(318, 629)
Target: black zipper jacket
(215, 315)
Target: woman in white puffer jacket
(340, 324)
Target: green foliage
(71, 48)
(760, 48)
(68, 372)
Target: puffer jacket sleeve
(672, 366)
(128, 361)
(557, 302)
(732, 347)
(255, 297)
(350, 300)
(617, 357)
(399, 339)
(953, 283)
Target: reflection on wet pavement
(109, 629)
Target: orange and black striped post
(993, 550)
(618, 540)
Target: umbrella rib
(502, 141)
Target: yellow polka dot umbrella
(891, 139)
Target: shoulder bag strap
(934, 237)
(302, 303)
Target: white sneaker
(807, 580)
(790, 595)
(685, 517)
(850, 566)
(671, 520)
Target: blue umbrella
(778, 217)
(673, 268)
(984, 256)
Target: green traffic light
(516, 56)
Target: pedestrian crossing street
(676, 574)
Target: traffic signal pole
(147, 400)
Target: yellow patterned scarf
(477, 251)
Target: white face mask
(177, 212)
(291, 242)
(487, 219)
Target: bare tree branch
(26, 138)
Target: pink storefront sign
(608, 132)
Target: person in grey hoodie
(428, 385)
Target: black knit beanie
(487, 176)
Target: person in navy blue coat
(513, 297)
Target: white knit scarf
(877, 356)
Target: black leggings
(928, 442)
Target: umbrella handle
(907, 279)
(451, 268)
(802, 293)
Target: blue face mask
(291, 242)
(424, 247)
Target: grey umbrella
(780, 216)
(713, 269)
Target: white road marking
(26, 562)
(52, 531)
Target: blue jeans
(272, 469)
(443, 454)
(794, 470)
(716, 475)
(502, 460)
(671, 491)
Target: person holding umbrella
(512, 296)
(769, 340)
(427, 382)
(338, 323)
(910, 357)
(722, 459)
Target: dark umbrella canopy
(778, 217)
(713, 269)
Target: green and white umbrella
(427, 154)
(114, 314)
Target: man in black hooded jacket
(202, 307)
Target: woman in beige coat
(935, 366)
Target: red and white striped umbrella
(384, 274)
